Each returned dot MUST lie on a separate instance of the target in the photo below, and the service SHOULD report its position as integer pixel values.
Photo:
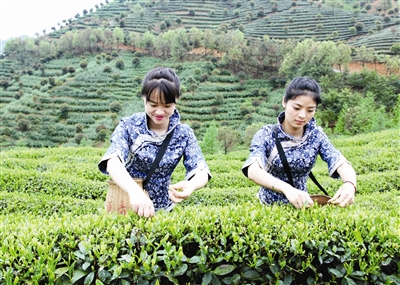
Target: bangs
(294, 93)
(165, 91)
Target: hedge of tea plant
(232, 244)
(54, 229)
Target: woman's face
(158, 112)
(299, 111)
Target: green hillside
(233, 58)
(277, 19)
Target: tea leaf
(224, 269)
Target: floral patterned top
(137, 146)
(301, 155)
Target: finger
(179, 185)
(173, 196)
(334, 197)
(140, 212)
(148, 212)
(310, 201)
(179, 194)
(297, 204)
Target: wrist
(273, 184)
(352, 183)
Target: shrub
(83, 64)
(64, 69)
(107, 68)
(120, 64)
(387, 19)
(115, 107)
(64, 109)
(23, 125)
(78, 128)
(71, 69)
(115, 76)
(359, 26)
(43, 81)
(100, 127)
(101, 136)
(78, 138)
(52, 81)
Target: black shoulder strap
(282, 155)
(311, 175)
(286, 165)
(159, 156)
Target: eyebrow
(307, 107)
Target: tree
(147, 42)
(210, 143)
(359, 118)
(343, 56)
(235, 56)
(365, 54)
(250, 131)
(309, 58)
(392, 63)
(193, 87)
(134, 39)
(395, 48)
(334, 4)
(228, 137)
(195, 36)
(208, 41)
(118, 34)
(163, 43)
(180, 44)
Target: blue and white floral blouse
(137, 146)
(301, 155)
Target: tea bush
(54, 228)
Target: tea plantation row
(54, 229)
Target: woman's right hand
(298, 198)
(142, 205)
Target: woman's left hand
(344, 196)
(181, 191)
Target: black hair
(165, 82)
(303, 86)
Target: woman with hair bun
(137, 139)
(302, 141)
